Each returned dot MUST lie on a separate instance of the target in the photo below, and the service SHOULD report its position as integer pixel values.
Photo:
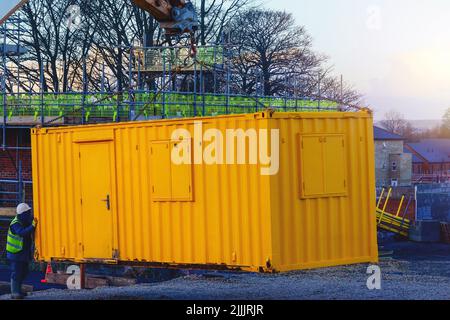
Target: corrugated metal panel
(231, 214)
(227, 223)
(324, 231)
(224, 222)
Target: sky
(6, 6)
(395, 52)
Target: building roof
(382, 134)
(415, 157)
(432, 150)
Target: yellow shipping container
(261, 192)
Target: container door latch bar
(108, 202)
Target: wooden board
(92, 281)
(7, 212)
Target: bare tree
(274, 53)
(335, 89)
(215, 15)
(54, 46)
(446, 124)
(395, 122)
(270, 43)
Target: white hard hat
(22, 208)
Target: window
(322, 166)
(394, 166)
(170, 181)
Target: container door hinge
(115, 254)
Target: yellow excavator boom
(176, 17)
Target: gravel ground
(413, 272)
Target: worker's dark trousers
(19, 271)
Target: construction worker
(19, 248)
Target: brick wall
(437, 168)
(440, 168)
(9, 161)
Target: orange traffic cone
(47, 271)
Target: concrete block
(425, 231)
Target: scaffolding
(13, 189)
(155, 83)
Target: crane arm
(176, 17)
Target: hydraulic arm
(176, 17)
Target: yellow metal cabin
(113, 193)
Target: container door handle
(107, 200)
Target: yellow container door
(96, 191)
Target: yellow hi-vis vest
(14, 243)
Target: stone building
(393, 165)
